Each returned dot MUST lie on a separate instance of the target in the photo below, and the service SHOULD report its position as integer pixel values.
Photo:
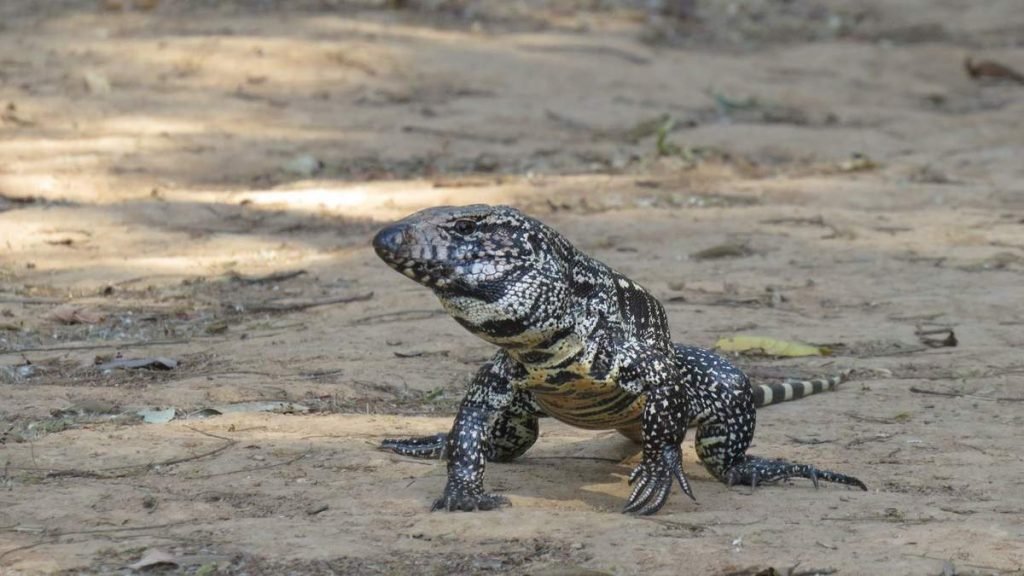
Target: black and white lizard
(579, 342)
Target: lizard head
(491, 266)
(473, 249)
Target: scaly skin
(581, 343)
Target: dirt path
(158, 167)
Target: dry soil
(159, 161)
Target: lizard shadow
(592, 471)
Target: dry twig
(295, 305)
(134, 469)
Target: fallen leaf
(154, 557)
(991, 70)
(95, 406)
(997, 261)
(317, 509)
(218, 327)
(157, 416)
(485, 162)
(857, 163)
(937, 338)
(155, 363)
(272, 406)
(17, 373)
(662, 124)
(303, 165)
(663, 146)
(769, 346)
(568, 571)
(75, 314)
(418, 353)
(727, 250)
(11, 115)
(267, 279)
(96, 82)
(682, 9)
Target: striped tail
(768, 394)
(420, 447)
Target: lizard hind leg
(722, 450)
(514, 433)
(753, 470)
(723, 406)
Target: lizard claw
(457, 497)
(652, 481)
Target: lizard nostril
(389, 240)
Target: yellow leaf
(769, 346)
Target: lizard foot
(652, 481)
(753, 471)
(420, 447)
(467, 500)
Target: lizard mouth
(399, 249)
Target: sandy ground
(159, 160)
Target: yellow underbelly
(594, 407)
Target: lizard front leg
(466, 458)
(468, 443)
(513, 432)
(663, 427)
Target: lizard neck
(557, 349)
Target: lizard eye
(464, 227)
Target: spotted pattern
(581, 343)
